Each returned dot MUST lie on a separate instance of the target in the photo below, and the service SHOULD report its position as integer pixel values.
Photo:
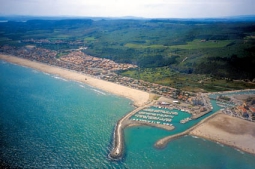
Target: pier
(196, 116)
(117, 151)
(164, 141)
(118, 140)
(155, 116)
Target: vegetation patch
(143, 46)
(89, 39)
(189, 82)
(203, 44)
(191, 55)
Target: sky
(137, 8)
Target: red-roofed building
(180, 97)
(244, 112)
(252, 109)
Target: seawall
(164, 141)
(118, 140)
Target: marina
(92, 137)
(155, 115)
(185, 120)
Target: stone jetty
(164, 141)
(118, 140)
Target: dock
(118, 140)
(118, 145)
(164, 141)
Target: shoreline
(161, 143)
(118, 140)
(141, 100)
(242, 141)
(138, 97)
(228, 130)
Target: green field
(89, 39)
(200, 44)
(142, 46)
(195, 44)
(189, 82)
(171, 52)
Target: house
(180, 97)
(203, 109)
(197, 101)
(164, 103)
(244, 113)
(252, 109)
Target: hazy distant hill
(27, 17)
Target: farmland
(176, 53)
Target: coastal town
(197, 104)
(161, 111)
(104, 69)
(157, 84)
(238, 106)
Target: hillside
(164, 50)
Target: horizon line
(127, 17)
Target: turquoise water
(175, 119)
(49, 122)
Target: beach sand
(137, 96)
(228, 130)
(243, 97)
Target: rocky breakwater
(160, 144)
(118, 145)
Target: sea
(50, 122)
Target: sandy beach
(161, 143)
(228, 130)
(138, 97)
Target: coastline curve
(160, 144)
